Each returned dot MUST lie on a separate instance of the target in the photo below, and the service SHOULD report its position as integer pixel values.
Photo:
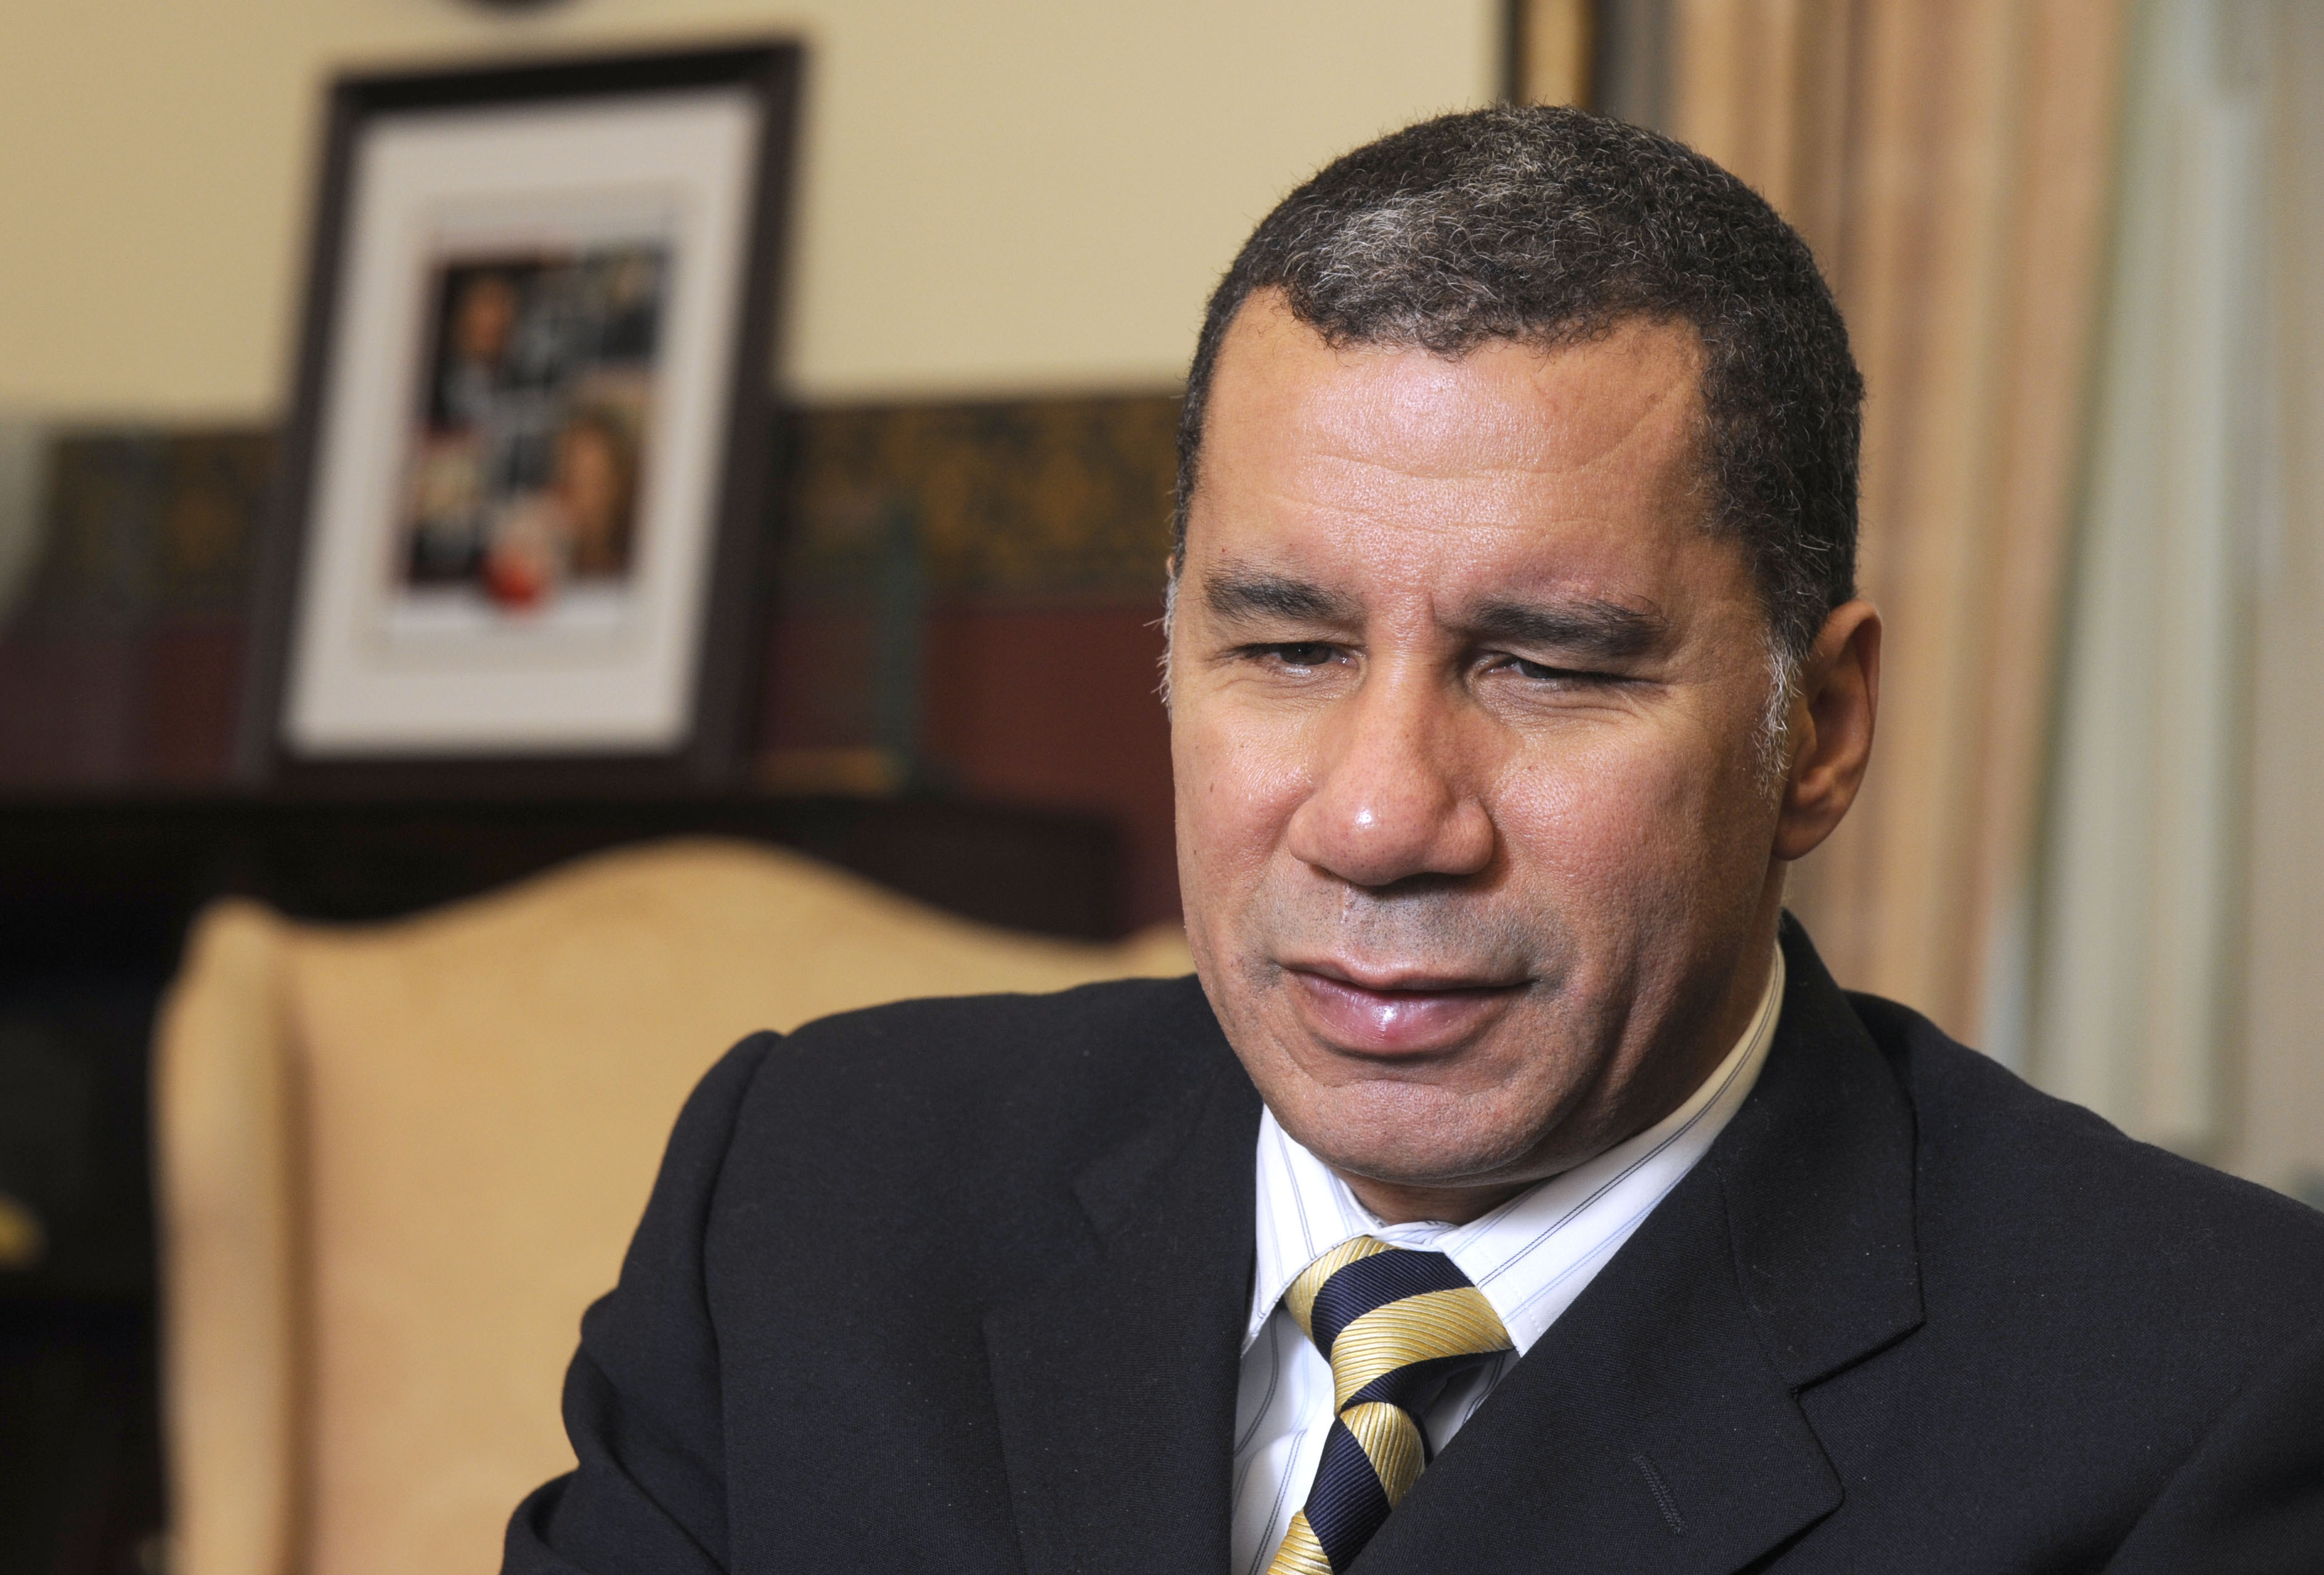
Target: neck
(1397, 1204)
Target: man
(1514, 1191)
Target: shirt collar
(1532, 1256)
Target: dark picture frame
(656, 305)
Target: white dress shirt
(1531, 1258)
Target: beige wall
(1005, 195)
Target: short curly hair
(1550, 226)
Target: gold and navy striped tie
(1394, 1324)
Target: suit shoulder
(2042, 1180)
(1038, 1034)
(1083, 1060)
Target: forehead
(1507, 400)
(1585, 454)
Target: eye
(1543, 673)
(1298, 653)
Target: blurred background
(2076, 241)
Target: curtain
(2133, 945)
(2180, 925)
(2279, 1083)
(2180, 921)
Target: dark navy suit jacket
(959, 1286)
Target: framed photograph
(526, 467)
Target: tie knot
(1391, 1321)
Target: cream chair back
(396, 1161)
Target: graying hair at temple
(1549, 226)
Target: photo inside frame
(532, 423)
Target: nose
(1393, 797)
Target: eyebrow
(1587, 626)
(1240, 595)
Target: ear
(1832, 728)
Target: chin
(1425, 1169)
(1403, 1141)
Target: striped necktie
(1394, 1324)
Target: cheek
(1633, 827)
(1238, 782)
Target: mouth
(1395, 1013)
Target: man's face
(1466, 702)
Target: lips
(1412, 1015)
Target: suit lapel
(1655, 1428)
(1817, 1168)
(1115, 1382)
